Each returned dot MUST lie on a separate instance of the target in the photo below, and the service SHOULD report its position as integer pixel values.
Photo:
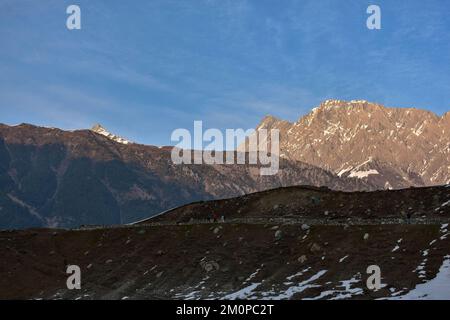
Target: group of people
(215, 218)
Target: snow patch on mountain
(362, 174)
(358, 171)
(101, 130)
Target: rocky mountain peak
(407, 146)
(271, 122)
(98, 128)
(446, 119)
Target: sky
(145, 68)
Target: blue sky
(145, 68)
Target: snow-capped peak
(97, 128)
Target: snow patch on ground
(298, 274)
(435, 289)
(300, 287)
(243, 293)
(346, 290)
(250, 277)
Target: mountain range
(55, 178)
(390, 147)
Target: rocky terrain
(289, 243)
(55, 178)
(319, 204)
(390, 147)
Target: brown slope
(321, 204)
(218, 260)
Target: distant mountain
(51, 177)
(388, 147)
(101, 130)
